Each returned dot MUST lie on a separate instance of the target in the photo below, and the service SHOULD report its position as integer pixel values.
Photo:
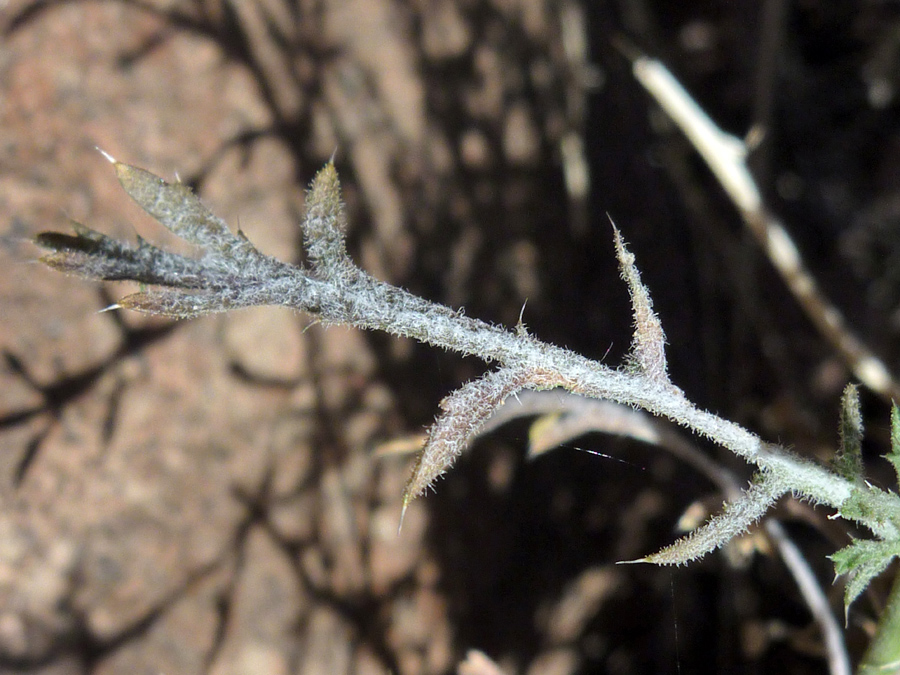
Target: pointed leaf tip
(465, 412)
(862, 561)
(177, 207)
(648, 347)
(109, 157)
(175, 303)
(733, 520)
(406, 500)
(326, 184)
(325, 223)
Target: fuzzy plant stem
(231, 273)
(350, 296)
(396, 311)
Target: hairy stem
(232, 273)
(401, 313)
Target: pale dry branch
(726, 156)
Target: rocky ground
(222, 495)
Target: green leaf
(894, 455)
(848, 461)
(874, 508)
(862, 561)
(857, 506)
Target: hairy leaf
(862, 561)
(465, 411)
(648, 347)
(177, 207)
(325, 224)
(734, 520)
(857, 506)
(877, 508)
(848, 460)
(894, 455)
(95, 256)
(174, 304)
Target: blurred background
(222, 495)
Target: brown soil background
(205, 496)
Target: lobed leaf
(232, 274)
(862, 561)
(875, 507)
